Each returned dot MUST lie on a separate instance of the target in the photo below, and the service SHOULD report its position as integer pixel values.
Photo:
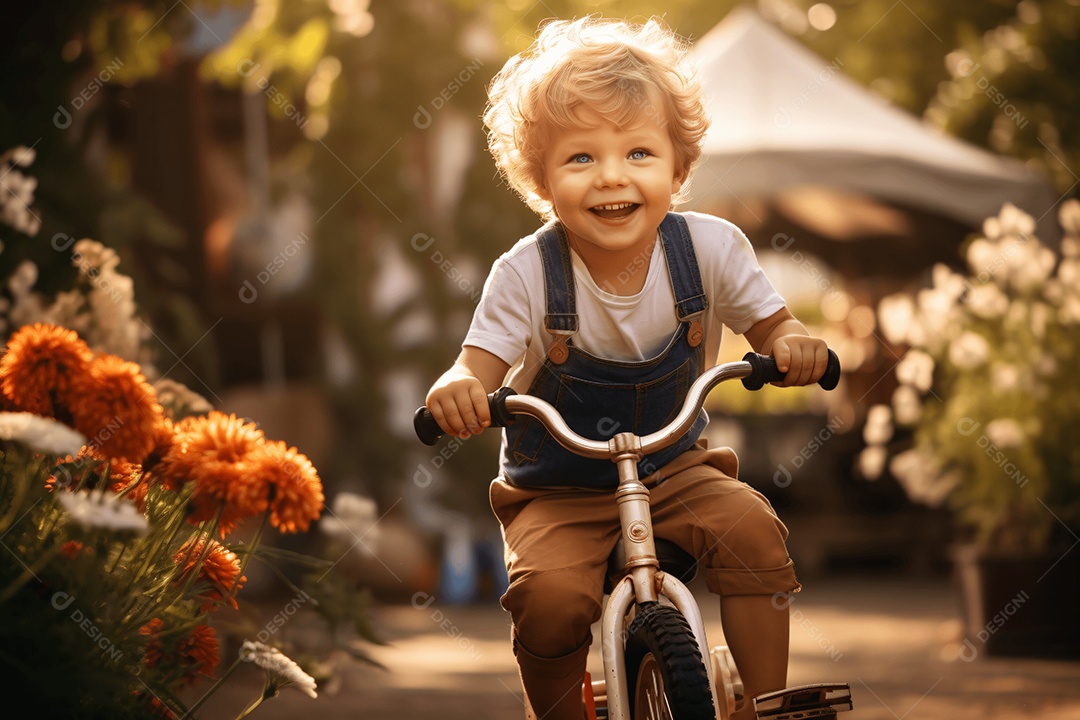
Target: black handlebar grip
(763, 370)
(425, 426)
(429, 432)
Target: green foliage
(1010, 89)
(987, 387)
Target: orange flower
(164, 435)
(214, 452)
(221, 570)
(72, 548)
(195, 653)
(153, 653)
(124, 475)
(200, 650)
(114, 406)
(297, 496)
(41, 364)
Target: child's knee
(756, 540)
(553, 611)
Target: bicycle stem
(635, 518)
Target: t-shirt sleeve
(502, 322)
(742, 293)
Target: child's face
(610, 186)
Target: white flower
(1070, 310)
(987, 301)
(1070, 247)
(1047, 364)
(946, 281)
(1005, 377)
(98, 509)
(936, 303)
(1040, 316)
(40, 433)
(981, 256)
(1005, 433)
(281, 672)
(1053, 291)
(19, 155)
(1015, 221)
(22, 281)
(1069, 217)
(917, 369)
(17, 190)
(921, 477)
(968, 351)
(906, 405)
(878, 428)
(351, 517)
(1030, 265)
(1069, 272)
(872, 461)
(895, 316)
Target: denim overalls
(600, 398)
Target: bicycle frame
(645, 581)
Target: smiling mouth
(615, 211)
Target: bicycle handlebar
(755, 371)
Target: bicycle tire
(666, 676)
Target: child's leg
(756, 631)
(736, 535)
(557, 544)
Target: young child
(609, 312)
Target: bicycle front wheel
(666, 675)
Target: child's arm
(458, 399)
(802, 357)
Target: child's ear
(542, 191)
(677, 182)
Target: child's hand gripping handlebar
(755, 371)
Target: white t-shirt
(509, 321)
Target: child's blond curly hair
(619, 69)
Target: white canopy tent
(787, 125)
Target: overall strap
(690, 298)
(561, 318)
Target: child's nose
(612, 172)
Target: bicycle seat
(673, 560)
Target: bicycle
(653, 638)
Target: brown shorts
(557, 541)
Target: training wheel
(729, 687)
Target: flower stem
(251, 707)
(213, 688)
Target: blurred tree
(1012, 89)
(66, 62)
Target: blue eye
(639, 154)
(580, 158)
